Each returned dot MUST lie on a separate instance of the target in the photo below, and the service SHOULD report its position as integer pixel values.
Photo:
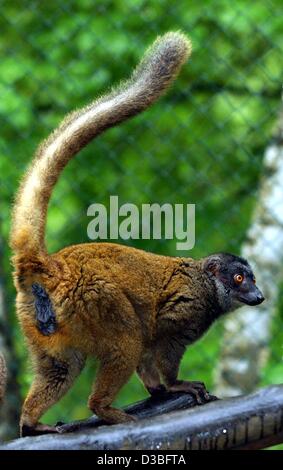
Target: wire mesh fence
(202, 144)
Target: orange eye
(254, 280)
(238, 278)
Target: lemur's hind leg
(116, 366)
(54, 376)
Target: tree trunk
(247, 333)
(9, 412)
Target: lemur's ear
(212, 264)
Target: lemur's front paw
(37, 430)
(197, 389)
(155, 391)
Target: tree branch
(251, 421)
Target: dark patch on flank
(45, 316)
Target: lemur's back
(96, 275)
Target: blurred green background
(203, 143)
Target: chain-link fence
(203, 143)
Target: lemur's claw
(38, 430)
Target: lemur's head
(234, 280)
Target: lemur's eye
(254, 280)
(238, 278)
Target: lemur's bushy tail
(149, 80)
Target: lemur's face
(236, 276)
(240, 280)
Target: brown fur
(134, 311)
(131, 309)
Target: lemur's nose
(260, 298)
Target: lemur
(132, 310)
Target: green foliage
(203, 143)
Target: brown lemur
(132, 310)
